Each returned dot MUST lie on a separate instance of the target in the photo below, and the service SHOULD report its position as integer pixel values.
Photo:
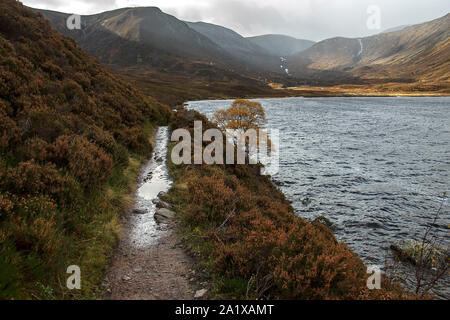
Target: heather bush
(302, 260)
(213, 200)
(52, 70)
(83, 80)
(102, 139)
(253, 244)
(30, 178)
(68, 129)
(83, 159)
(31, 225)
(9, 132)
(35, 149)
(34, 225)
(71, 89)
(134, 139)
(42, 122)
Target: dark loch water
(376, 167)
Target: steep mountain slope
(415, 53)
(227, 39)
(237, 46)
(68, 128)
(147, 36)
(138, 35)
(148, 39)
(281, 45)
(155, 49)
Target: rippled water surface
(376, 167)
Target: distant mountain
(395, 29)
(227, 39)
(168, 59)
(138, 35)
(280, 45)
(237, 46)
(416, 53)
(147, 37)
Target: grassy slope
(411, 60)
(376, 90)
(176, 88)
(72, 138)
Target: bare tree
(429, 256)
(432, 263)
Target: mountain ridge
(415, 53)
(237, 46)
(281, 45)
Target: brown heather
(68, 128)
(72, 137)
(252, 243)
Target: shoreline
(211, 107)
(231, 217)
(173, 246)
(317, 97)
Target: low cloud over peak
(308, 19)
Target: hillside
(138, 35)
(244, 50)
(165, 57)
(201, 60)
(148, 37)
(395, 29)
(414, 54)
(72, 139)
(281, 45)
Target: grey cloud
(308, 19)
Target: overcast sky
(307, 19)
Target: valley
(177, 60)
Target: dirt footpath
(150, 262)
(163, 271)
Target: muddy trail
(150, 262)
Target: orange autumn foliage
(83, 160)
(255, 246)
(242, 115)
(66, 125)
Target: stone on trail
(162, 194)
(126, 278)
(139, 211)
(200, 293)
(161, 204)
(164, 215)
